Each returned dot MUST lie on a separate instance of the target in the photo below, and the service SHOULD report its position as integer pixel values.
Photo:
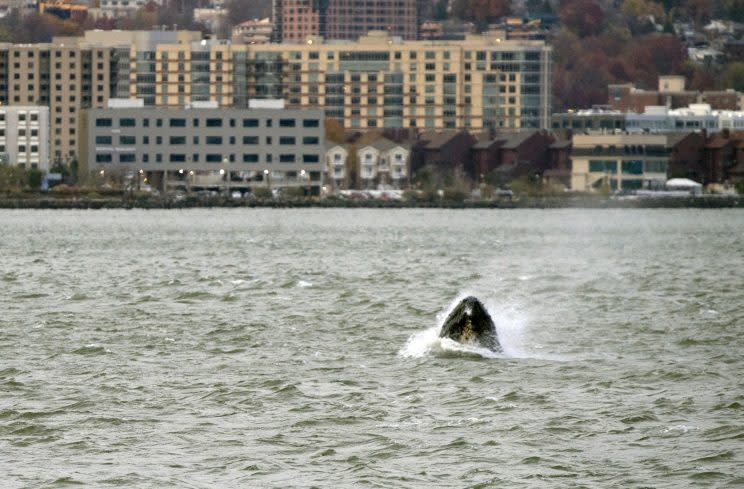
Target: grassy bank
(45, 201)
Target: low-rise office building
(24, 136)
(620, 161)
(253, 147)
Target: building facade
(296, 20)
(671, 93)
(383, 163)
(620, 161)
(264, 147)
(479, 83)
(482, 82)
(72, 74)
(24, 136)
(654, 119)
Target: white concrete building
(24, 136)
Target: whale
(470, 324)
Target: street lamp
(267, 177)
(303, 179)
(226, 172)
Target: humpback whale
(469, 323)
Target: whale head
(469, 323)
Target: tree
(33, 178)
(334, 131)
(735, 10)
(352, 175)
(12, 178)
(480, 10)
(584, 17)
(241, 10)
(733, 76)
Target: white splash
(302, 284)
(510, 326)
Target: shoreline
(38, 202)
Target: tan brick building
(379, 81)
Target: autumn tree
(584, 17)
(334, 131)
(480, 10)
(241, 10)
(733, 76)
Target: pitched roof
(435, 140)
(486, 143)
(561, 144)
(517, 139)
(717, 143)
(329, 145)
(674, 138)
(385, 144)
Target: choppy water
(297, 348)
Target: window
(177, 158)
(286, 140)
(103, 139)
(126, 122)
(214, 158)
(310, 123)
(177, 140)
(310, 159)
(250, 158)
(250, 139)
(214, 122)
(214, 139)
(287, 158)
(127, 140)
(126, 158)
(103, 122)
(286, 123)
(250, 122)
(103, 158)
(603, 166)
(310, 140)
(632, 167)
(177, 123)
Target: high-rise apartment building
(296, 20)
(378, 81)
(352, 19)
(76, 73)
(479, 83)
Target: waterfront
(292, 348)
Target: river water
(298, 348)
